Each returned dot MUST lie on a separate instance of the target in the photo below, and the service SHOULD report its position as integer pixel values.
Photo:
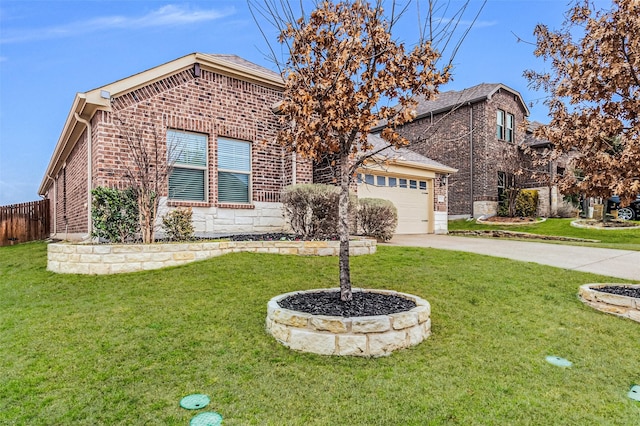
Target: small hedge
(377, 218)
(177, 224)
(312, 210)
(527, 203)
(114, 214)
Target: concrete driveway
(609, 262)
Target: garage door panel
(412, 205)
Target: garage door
(409, 196)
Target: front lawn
(124, 349)
(627, 239)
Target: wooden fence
(24, 222)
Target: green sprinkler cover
(206, 419)
(195, 401)
(634, 393)
(558, 362)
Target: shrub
(312, 210)
(114, 214)
(178, 225)
(527, 203)
(377, 218)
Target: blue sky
(51, 49)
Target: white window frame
(500, 124)
(509, 133)
(179, 159)
(235, 170)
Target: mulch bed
(621, 291)
(505, 219)
(275, 236)
(364, 304)
(608, 224)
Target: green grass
(124, 349)
(626, 239)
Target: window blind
(234, 171)
(186, 184)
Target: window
(187, 154)
(500, 125)
(368, 179)
(505, 126)
(234, 171)
(413, 184)
(403, 183)
(393, 182)
(380, 181)
(509, 130)
(423, 185)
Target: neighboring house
(479, 132)
(542, 175)
(212, 116)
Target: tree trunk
(343, 229)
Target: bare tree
(343, 69)
(148, 171)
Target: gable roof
(86, 104)
(446, 101)
(406, 156)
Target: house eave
(411, 164)
(86, 104)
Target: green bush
(527, 203)
(114, 214)
(377, 218)
(178, 225)
(312, 210)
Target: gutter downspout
(294, 167)
(55, 204)
(89, 171)
(471, 155)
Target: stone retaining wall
(118, 258)
(624, 306)
(357, 336)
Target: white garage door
(409, 196)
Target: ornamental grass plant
(124, 349)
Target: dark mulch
(363, 304)
(274, 236)
(621, 290)
(508, 219)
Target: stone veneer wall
(102, 259)
(624, 306)
(357, 336)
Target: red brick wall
(68, 192)
(212, 104)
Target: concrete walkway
(609, 262)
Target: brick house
(479, 132)
(212, 116)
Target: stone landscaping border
(370, 336)
(624, 306)
(103, 259)
(580, 224)
(482, 220)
